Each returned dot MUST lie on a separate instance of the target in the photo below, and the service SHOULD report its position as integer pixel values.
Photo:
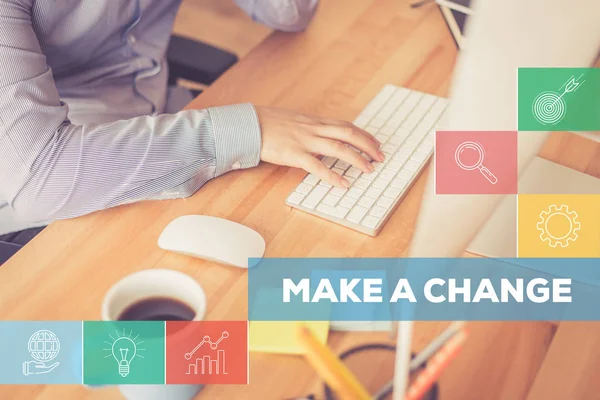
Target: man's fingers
(336, 149)
(336, 122)
(354, 136)
(315, 166)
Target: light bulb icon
(124, 350)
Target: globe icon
(43, 346)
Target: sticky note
(281, 336)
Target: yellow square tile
(559, 225)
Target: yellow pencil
(329, 367)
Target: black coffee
(158, 309)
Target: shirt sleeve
(283, 15)
(52, 169)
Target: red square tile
(207, 352)
(476, 162)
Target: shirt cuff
(237, 137)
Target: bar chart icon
(205, 364)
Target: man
(87, 121)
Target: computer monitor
(503, 35)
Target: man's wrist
(237, 137)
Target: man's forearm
(87, 168)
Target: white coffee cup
(147, 284)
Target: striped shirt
(87, 120)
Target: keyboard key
(418, 157)
(412, 166)
(361, 121)
(395, 165)
(370, 222)
(362, 183)
(295, 198)
(405, 174)
(396, 140)
(311, 179)
(395, 120)
(357, 214)
(353, 172)
(382, 137)
(378, 211)
(388, 91)
(373, 192)
(341, 212)
(326, 209)
(315, 196)
(392, 192)
(347, 202)
(371, 129)
(378, 166)
(338, 171)
(399, 183)
(370, 176)
(355, 192)
(400, 94)
(385, 202)
(387, 111)
(412, 140)
(331, 200)
(402, 133)
(304, 188)
(429, 139)
(366, 202)
(424, 148)
(328, 161)
(342, 164)
(378, 122)
(380, 183)
(410, 147)
(388, 129)
(401, 157)
(325, 184)
(387, 174)
(338, 191)
(389, 149)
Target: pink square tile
(476, 162)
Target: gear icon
(556, 214)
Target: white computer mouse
(213, 239)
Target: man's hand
(295, 140)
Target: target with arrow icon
(549, 108)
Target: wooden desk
(351, 50)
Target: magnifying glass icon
(469, 156)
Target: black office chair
(196, 61)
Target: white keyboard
(404, 121)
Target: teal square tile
(124, 352)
